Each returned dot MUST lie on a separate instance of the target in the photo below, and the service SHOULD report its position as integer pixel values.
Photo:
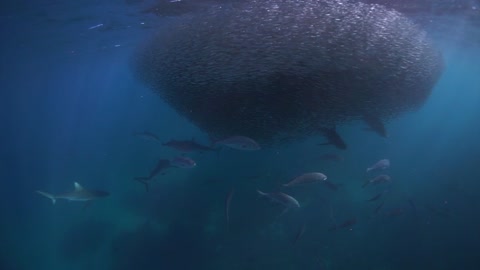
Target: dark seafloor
(71, 101)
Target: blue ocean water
(70, 104)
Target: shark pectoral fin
(48, 195)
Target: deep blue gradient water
(69, 106)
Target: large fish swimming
(282, 198)
(379, 165)
(188, 146)
(306, 178)
(330, 185)
(146, 135)
(161, 166)
(183, 162)
(78, 194)
(333, 138)
(375, 124)
(383, 178)
(239, 143)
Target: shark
(78, 194)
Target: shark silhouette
(78, 194)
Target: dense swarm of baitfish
(269, 68)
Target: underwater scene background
(72, 109)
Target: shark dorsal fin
(78, 187)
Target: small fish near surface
(239, 143)
(146, 135)
(188, 146)
(183, 162)
(382, 164)
(78, 194)
(333, 138)
(306, 178)
(160, 168)
(383, 178)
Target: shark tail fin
(48, 195)
(143, 180)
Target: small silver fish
(282, 198)
(380, 165)
(239, 143)
(307, 178)
(183, 162)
